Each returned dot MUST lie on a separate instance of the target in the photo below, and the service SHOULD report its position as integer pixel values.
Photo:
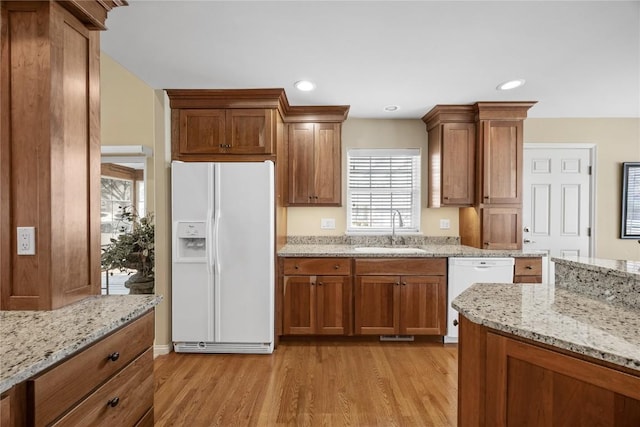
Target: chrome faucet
(393, 224)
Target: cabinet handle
(113, 356)
(320, 283)
(336, 267)
(486, 197)
(445, 198)
(313, 283)
(486, 243)
(315, 197)
(113, 402)
(397, 283)
(296, 267)
(455, 322)
(528, 267)
(404, 283)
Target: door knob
(527, 230)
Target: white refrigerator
(223, 249)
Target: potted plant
(133, 250)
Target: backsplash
(373, 240)
(616, 282)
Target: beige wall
(370, 133)
(617, 141)
(127, 114)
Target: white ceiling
(580, 59)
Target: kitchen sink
(389, 250)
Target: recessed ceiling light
(304, 85)
(391, 108)
(511, 84)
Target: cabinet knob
(315, 197)
(313, 283)
(296, 267)
(336, 267)
(486, 243)
(397, 283)
(455, 322)
(113, 402)
(320, 283)
(528, 267)
(445, 198)
(486, 197)
(113, 356)
(404, 283)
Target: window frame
(416, 190)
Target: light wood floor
(307, 383)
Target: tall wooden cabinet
(50, 150)
(492, 170)
(315, 155)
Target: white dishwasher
(464, 272)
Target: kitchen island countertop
(32, 341)
(592, 309)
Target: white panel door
(557, 194)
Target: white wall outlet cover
(26, 240)
(445, 224)
(328, 223)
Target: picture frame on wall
(630, 221)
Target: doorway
(559, 200)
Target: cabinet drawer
(317, 266)
(528, 267)
(121, 401)
(64, 385)
(419, 266)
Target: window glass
(383, 185)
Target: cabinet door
(458, 164)
(249, 131)
(333, 299)
(502, 161)
(299, 314)
(301, 146)
(377, 304)
(202, 131)
(423, 305)
(529, 385)
(501, 228)
(327, 164)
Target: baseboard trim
(161, 350)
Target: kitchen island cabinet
(562, 354)
(90, 363)
(400, 296)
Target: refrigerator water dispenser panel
(191, 241)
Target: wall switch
(445, 224)
(328, 223)
(26, 240)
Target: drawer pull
(528, 267)
(337, 266)
(404, 283)
(320, 283)
(296, 267)
(114, 356)
(113, 402)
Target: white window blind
(379, 182)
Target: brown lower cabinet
(400, 296)
(316, 296)
(527, 270)
(504, 381)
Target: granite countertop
(558, 317)
(623, 268)
(32, 341)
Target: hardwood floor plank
(311, 383)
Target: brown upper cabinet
(212, 124)
(475, 155)
(452, 155)
(315, 155)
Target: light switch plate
(445, 224)
(328, 223)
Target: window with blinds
(379, 182)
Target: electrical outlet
(328, 223)
(445, 224)
(26, 240)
